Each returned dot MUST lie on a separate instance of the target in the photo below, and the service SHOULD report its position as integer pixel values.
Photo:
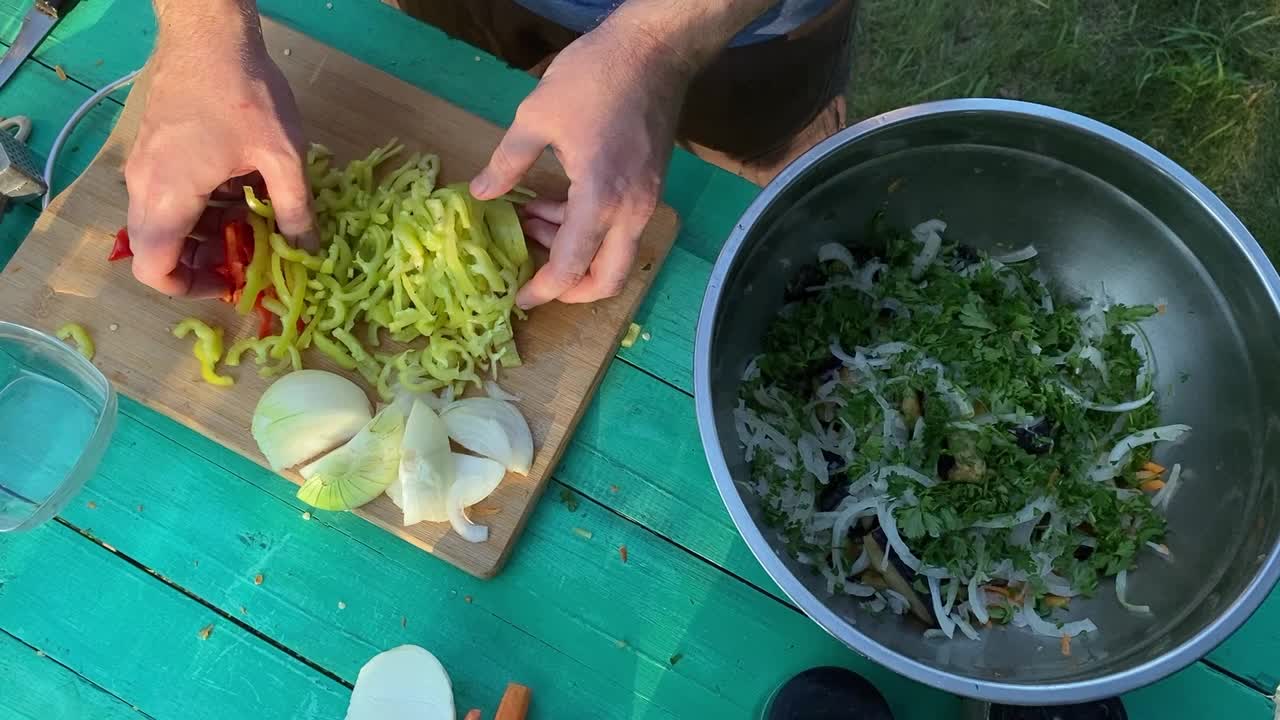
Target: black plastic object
(827, 693)
(1109, 709)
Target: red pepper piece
(237, 238)
(266, 320)
(121, 249)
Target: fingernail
(307, 240)
(480, 185)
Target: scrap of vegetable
(360, 470)
(583, 533)
(205, 632)
(622, 553)
(994, 435)
(570, 499)
(257, 579)
(208, 349)
(76, 333)
(633, 334)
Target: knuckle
(612, 286)
(569, 277)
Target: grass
(1199, 81)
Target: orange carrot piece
(1154, 467)
(1152, 485)
(1066, 646)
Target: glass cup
(57, 412)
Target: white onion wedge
(307, 413)
(426, 468)
(492, 428)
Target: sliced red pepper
(237, 238)
(121, 249)
(266, 319)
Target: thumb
(158, 225)
(291, 199)
(517, 152)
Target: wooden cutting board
(60, 274)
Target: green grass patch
(1199, 81)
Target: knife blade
(36, 25)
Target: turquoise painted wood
(38, 688)
(565, 606)
(139, 639)
(588, 632)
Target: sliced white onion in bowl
(1122, 592)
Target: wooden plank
(38, 688)
(14, 226)
(709, 200)
(63, 276)
(1198, 692)
(637, 451)
(36, 92)
(1252, 651)
(139, 640)
(567, 617)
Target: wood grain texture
(38, 688)
(59, 275)
(140, 640)
(566, 617)
(117, 32)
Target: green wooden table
(101, 611)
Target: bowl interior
(1100, 214)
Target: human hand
(217, 109)
(608, 107)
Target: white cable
(80, 112)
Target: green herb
(987, 330)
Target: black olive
(945, 464)
(1037, 439)
(968, 253)
(799, 286)
(836, 489)
(1084, 552)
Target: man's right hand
(217, 108)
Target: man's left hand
(608, 107)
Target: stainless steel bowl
(1100, 206)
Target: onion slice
(360, 470)
(404, 683)
(307, 413)
(426, 468)
(1122, 591)
(474, 478)
(492, 428)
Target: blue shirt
(583, 15)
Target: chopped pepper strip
(257, 274)
(208, 349)
(121, 249)
(266, 319)
(76, 333)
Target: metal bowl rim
(1198, 645)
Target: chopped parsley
(975, 376)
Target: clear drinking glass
(57, 412)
